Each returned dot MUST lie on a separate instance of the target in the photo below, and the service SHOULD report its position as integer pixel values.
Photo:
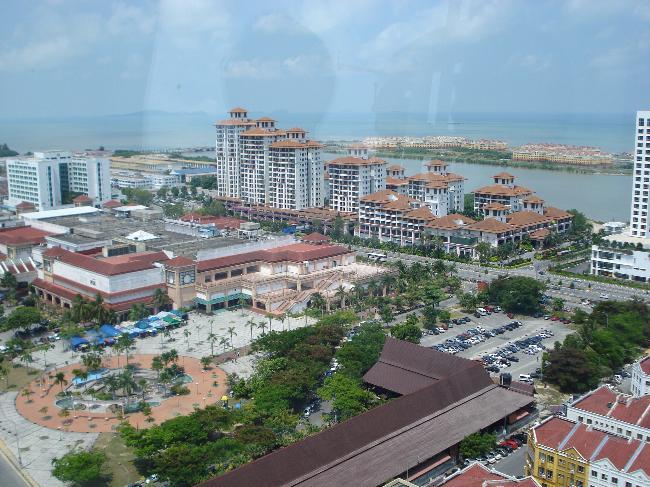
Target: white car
(604, 296)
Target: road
(573, 296)
(8, 474)
(514, 463)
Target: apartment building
(503, 191)
(295, 172)
(565, 453)
(354, 176)
(562, 154)
(393, 217)
(264, 165)
(49, 179)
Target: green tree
(557, 304)
(138, 311)
(174, 211)
(484, 251)
(570, 370)
(160, 299)
(9, 281)
(23, 317)
(81, 468)
(516, 294)
(348, 396)
(205, 362)
(60, 379)
(477, 444)
(407, 332)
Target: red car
(510, 315)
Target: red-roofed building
(277, 279)
(121, 280)
(565, 452)
(18, 242)
(82, 200)
(616, 413)
(477, 475)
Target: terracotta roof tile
(494, 206)
(295, 144)
(527, 218)
(22, 236)
(355, 161)
(451, 222)
(179, 261)
(501, 190)
(645, 365)
(422, 213)
(491, 225)
(504, 175)
(556, 213)
(391, 181)
(109, 266)
(238, 110)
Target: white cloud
(190, 24)
(52, 38)
(258, 68)
(447, 23)
(321, 16)
(277, 22)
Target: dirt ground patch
(548, 396)
(119, 459)
(18, 378)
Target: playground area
(104, 398)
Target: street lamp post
(20, 459)
(197, 388)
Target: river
(603, 197)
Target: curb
(7, 455)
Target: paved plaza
(41, 440)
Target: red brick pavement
(202, 392)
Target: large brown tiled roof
(391, 181)
(450, 222)
(422, 213)
(504, 175)
(22, 236)
(109, 266)
(404, 367)
(256, 131)
(491, 225)
(295, 144)
(501, 190)
(355, 161)
(381, 196)
(379, 444)
(315, 237)
(645, 365)
(527, 218)
(556, 213)
(395, 167)
(238, 110)
(179, 261)
(236, 121)
(298, 252)
(495, 206)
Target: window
(614, 480)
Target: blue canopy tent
(78, 342)
(109, 331)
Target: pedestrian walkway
(38, 444)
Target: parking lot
(530, 330)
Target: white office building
(639, 225)
(640, 383)
(626, 255)
(265, 165)
(50, 179)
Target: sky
(63, 58)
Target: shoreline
(595, 170)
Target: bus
(377, 256)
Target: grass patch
(548, 396)
(119, 464)
(19, 377)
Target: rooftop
(561, 434)
(605, 402)
(381, 443)
(108, 266)
(22, 236)
(477, 475)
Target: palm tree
(138, 311)
(224, 341)
(231, 332)
(318, 302)
(60, 379)
(341, 295)
(186, 334)
(160, 300)
(127, 383)
(100, 313)
(262, 326)
(270, 317)
(212, 338)
(124, 343)
(112, 383)
(173, 355)
(251, 324)
(142, 384)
